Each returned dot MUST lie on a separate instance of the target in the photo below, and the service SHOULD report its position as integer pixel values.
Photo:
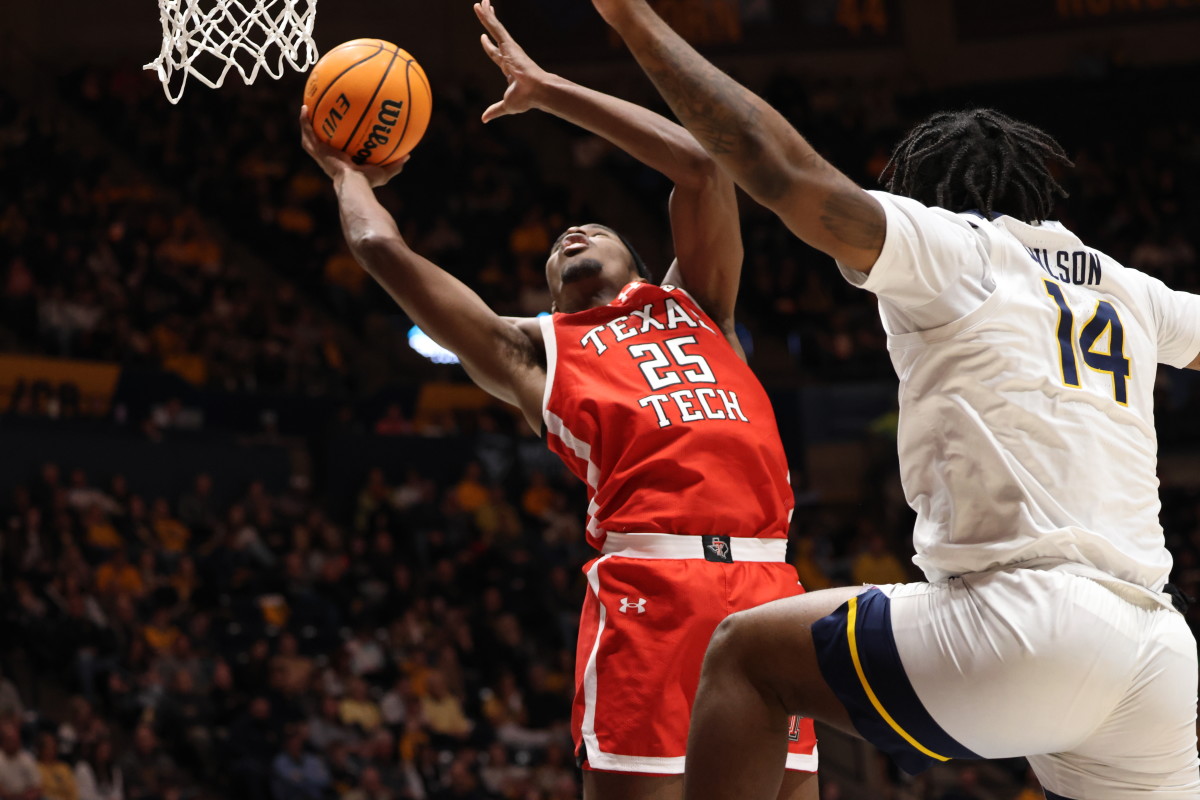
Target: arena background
(242, 516)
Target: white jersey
(1027, 365)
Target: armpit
(524, 341)
(1195, 364)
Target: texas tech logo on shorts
(716, 548)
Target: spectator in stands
(118, 576)
(101, 534)
(470, 493)
(197, 509)
(186, 717)
(20, 778)
(358, 710)
(253, 742)
(876, 564)
(10, 701)
(81, 730)
(370, 787)
(148, 772)
(172, 535)
(97, 776)
(57, 777)
(296, 774)
(393, 423)
(442, 711)
(160, 633)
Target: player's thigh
(626, 786)
(1146, 747)
(800, 786)
(1018, 662)
(772, 645)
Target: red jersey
(648, 403)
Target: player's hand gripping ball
(369, 99)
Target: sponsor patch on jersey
(716, 548)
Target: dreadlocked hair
(978, 160)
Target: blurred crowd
(101, 263)
(422, 647)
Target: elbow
(700, 171)
(371, 246)
(703, 176)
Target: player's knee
(725, 640)
(744, 645)
(733, 645)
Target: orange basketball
(370, 99)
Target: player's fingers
(396, 168)
(495, 111)
(489, 47)
(492, 22)
(488, 20)
(306, 129)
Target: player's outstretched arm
(754, 143)
(504, 356)
(704, 214)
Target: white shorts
(1095, 684)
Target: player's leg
(1147, 746)
(760, 668)
(1009, 663)
(643, 633)
(800, 786)
(624, 786)
(616, 786)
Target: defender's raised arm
(501, 355)
(704, 214)
(754, 143)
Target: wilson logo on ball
(381, 134)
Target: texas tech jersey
(649, 404)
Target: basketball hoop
(205, 39)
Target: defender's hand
(334, 162)
(525, 78)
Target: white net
(205, 39)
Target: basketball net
(205, 39)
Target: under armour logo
(640, 605)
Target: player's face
(588, 267)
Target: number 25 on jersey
(1104, 319)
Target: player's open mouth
(575, 243)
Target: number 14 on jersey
(1104, 319)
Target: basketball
(370, 99)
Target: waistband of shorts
(722, 549)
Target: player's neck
(601, 296)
